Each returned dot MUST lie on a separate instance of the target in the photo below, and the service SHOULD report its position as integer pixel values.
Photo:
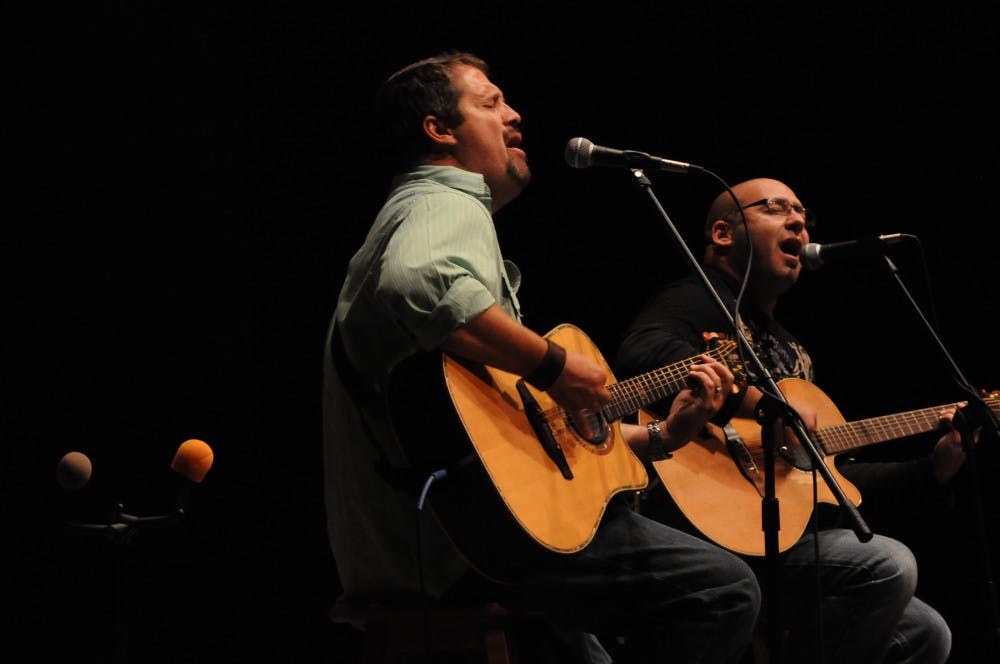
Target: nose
(796, 222)
(512, 116)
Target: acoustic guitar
(717, 480)
(517, 469)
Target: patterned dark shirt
(671, 325)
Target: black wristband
(548, 370)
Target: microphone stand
(772, 407)
(976, 414)
(121, 530)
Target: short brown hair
(408, 96)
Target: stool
(395, 630)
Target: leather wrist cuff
(548, 370)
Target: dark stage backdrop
(191, 181)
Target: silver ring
(718, 388)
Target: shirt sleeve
(897, 493)
(441, 268)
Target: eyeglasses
(784, 207)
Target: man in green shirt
(430, 279)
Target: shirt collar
(455, 178)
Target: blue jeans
(671, 597)
(856, 605)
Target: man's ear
(722, 233)
(439, 133)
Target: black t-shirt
(672, 324)
(670, 327)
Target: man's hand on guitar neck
(949, 456)
(710, 382)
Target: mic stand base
(121, 530)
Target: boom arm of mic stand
(977, 413)
(858, 524)
(979, 407)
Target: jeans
(856, 604)
(652, 593)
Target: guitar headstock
(726, 350)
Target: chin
(519, 173)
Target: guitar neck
(861, 433)
(631, 395)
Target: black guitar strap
(361, 393)
(404, 478)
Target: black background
(189, 182)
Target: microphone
(814, 256)
(73, 470)
(193, 459)
(191, 462)
(582, 153)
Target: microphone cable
(439, 474)
(436, 475)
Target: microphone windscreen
(73, 470)
(578, 153)
(193, 459)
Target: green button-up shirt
(430, 263)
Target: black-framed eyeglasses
(783, 206)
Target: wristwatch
(655, 450)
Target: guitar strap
(404, 478)
(740, 453)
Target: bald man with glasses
(841, 599)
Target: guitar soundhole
(597, 429)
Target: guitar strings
(850, 435)
(636, 392)
(629, 395)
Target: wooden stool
(395, 631)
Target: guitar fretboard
(860, 433)
(633, 394)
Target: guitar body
(502, 484)
(712, 489)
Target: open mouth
(791, 246)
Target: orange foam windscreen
(73, 471)
(193, 459)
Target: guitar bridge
(537, 420)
